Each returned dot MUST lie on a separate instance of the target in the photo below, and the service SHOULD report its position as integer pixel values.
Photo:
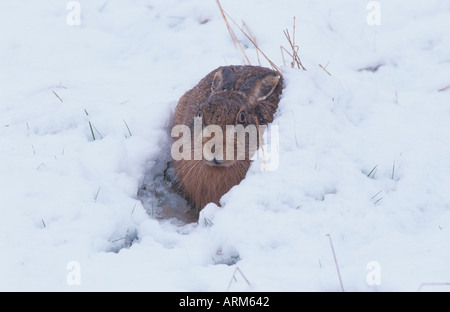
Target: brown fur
(221, 97)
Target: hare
(228, 96)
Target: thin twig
(376, 194)
(57, 96)
(444, 89)
(127, 127)
(234, 278)
(294, 47)
(293, 32)
(282, 55)
(254, 39)
(325, 69)
(232, 34)
(335, 261)
(230, 30)
(275, 67)
(376, 202)
(257, 53)
(96, 195)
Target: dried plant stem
(232, 34)
(128, 128)
(250, 37)
(254, 39)
(282, 55)
(257, 53)
(335, 261)
(295, 48)
(325, 69)
(444, 89)
(275, 67)
(233, 277)
(59, 98)
(230, 30)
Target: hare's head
(232, 114)
(221, 118)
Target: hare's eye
(199, 114)
(241, 117)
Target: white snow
(65, 197)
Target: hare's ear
(223, 80)
(258, 89)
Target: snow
(364, 153)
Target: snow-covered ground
(364, 153)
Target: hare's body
(230, 95)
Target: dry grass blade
(295, 48)
(230, 30)
(59, 98)
(444, 89)
(226, 16)
(335, 261)
(282, 55)
(254, 39)
(275, 67)
(232, 34)
(325, 69)
(234, 277)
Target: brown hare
(228, 96)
